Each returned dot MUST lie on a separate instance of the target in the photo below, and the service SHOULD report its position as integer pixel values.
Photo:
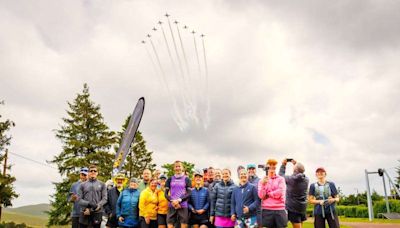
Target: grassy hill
(37, 210)
(32, 221)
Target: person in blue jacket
(128, 206)
(244, 202)
(199, 202)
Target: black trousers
(319, 221)
(75, 222)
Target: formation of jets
(175, 22)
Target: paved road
(370, 225)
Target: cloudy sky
(314, 80)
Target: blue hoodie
(128, 207)
(245, 195)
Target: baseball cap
(251, 166)
(120, 176)
(320, 169)
(84, 170)
(134, 180)
(162, 176)
(198, 172)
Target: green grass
(33, 210)
(33, 221)
(310, 224)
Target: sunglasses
(93, 171)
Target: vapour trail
(159, 63)
(197, 53)
(167, 45)
(206, 122)
(190, 107)
(176, 116)
(199, 70)
(176, 49)
(150, 57)
(183, 49)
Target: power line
(29, 159)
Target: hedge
(361, 211)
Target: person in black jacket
(112, 197)
(296, 193)
(221, 201)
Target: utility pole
(358, 201)
(5, 163)
(4, 174)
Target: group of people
(210, 199)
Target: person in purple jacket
(177, 192)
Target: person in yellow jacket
(148, 206)
(162, 202)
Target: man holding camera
(92, 196)
(296, 192)
(271, 190)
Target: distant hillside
(32, 210)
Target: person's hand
(233, 218)
(211, 219)
(194, 211)
(294, 162)
(321, 202)
(178, 206)
(201, 211)
(147, 220)
(265, 180)
(284, 162)
(245, 210)
(74, 197)
(331, 200)
(86, 211)
(121, 219)
(97, 208)
(174, 203)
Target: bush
(13, 225)
(380, 207)
(353, 211)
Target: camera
(264, 167)
(289, 159)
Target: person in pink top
(272, 190)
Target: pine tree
(138, 158)
(187, 166)
(7, 192)
(86, 140)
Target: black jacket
(296, 191)
(221, 199)
(110, 207)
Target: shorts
(143, 224)
(295, 217)
(180, 215)
(247, 222)
(274, 218)
(162, 219)
(196, 219)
